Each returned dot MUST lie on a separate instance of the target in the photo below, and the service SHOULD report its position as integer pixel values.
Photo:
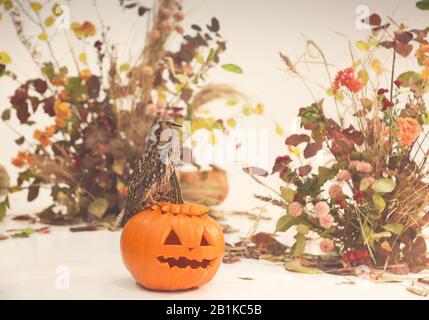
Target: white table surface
(28, 270)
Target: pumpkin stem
(177, 190)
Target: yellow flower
(62, 110)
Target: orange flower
(409, 130)
(425, 73)
(85, 74)
(346, 78)
(60, 123)
(50, 131)
(23, 159)
(19, 161)
(42, 137)
(86, 29)
(62, 110)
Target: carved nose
(190, 249)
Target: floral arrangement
(368, 199)
(98, 116)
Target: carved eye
(172, 239)
(204, 241)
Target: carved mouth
(184, 262)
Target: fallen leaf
(84, 228)
(295, 266)
(417, 290)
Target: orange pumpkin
(172, 246)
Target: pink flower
(326, 245)
(353, 164)
(326, 221)
(335, 191)
(321, 209)
(295, 209)
(360, 166)
(344, 175)
(364, 167)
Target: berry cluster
(357, 257)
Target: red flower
(359, 196)
(341, 203)
(386, 104)
(382, 91)
(398, 83)
(346, 78)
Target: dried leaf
(418, 290)
(256, 171)
(312, 149)
(98, 207)
(295, 266)
(296, 139)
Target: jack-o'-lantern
(172, 246)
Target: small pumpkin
(172, 246)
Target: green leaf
(384, 185)
(395, 228)
(211, 55)
(302, 229)
(6, 114)
(364, 184)
(380, 235)
(287, 194)
(4, 181)
(232, 68)
(23, 233)
(299, 246)
(247, 110)
(285, 222)
(326, 174)
(408, 76)
(98, 207)
(2, 211)
(295, 266)
(379, 202)
(423, 5)
(362, 45)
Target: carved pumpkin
(172, 246)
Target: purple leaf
(256, 171)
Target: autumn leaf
(98, 207)
(312, 149)
(36, 6)
(296, 139)
(82, 57)
(376, 66)
(5, 58)
(43, 36)
(49, 21)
